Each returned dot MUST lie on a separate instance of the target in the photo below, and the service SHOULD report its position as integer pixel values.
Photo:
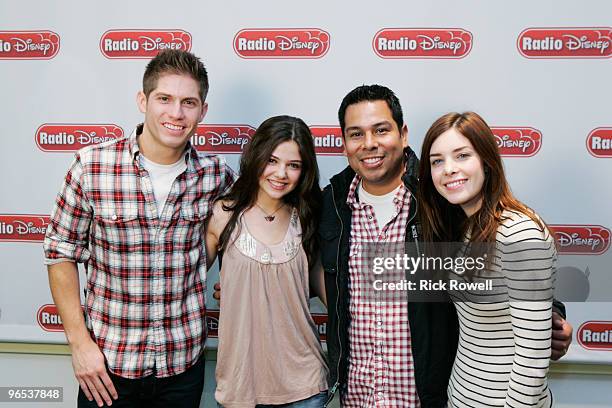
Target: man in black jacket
(381, 355)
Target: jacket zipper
(332, 391)
(415, 233)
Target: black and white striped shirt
(505, 339)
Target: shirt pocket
(117, 228)
(191, 229)
(191, 212)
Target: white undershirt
(162, 177)
(382, 205)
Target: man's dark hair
(175, 62)
(369, 93)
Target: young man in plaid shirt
(383, 353)
(134, 211)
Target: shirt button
(370, 217)
(380, 395)
(114, 217)
(379, 322)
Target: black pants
(182, 390)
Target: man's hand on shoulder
(561, 336)
(217, 292)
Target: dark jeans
(182, 390)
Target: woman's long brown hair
(443, 221)
(306, 197)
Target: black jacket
(433, 326)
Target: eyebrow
(290, 161)
(383, 123)
(188, 98)
(454, 151)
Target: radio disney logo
(579, 42)
(582, 239)
(23, 227)
(59, 137)
(595, 335)
(142, 43)
(29, 44)
(327, 140)
(222, 138)
(451, 43)
(281, 43)
(599, 142)
(320, 320)
(48, 318)
(517, 141)
(212, 323)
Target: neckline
(282, 241)
(368, 198)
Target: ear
(141, 101)
(204, 111)
(404, 135)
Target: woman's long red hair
(443, 221)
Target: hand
(90, 372)
(561, 336)
(217, 292)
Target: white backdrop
(70, 71)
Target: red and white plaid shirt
(146, 275)
(381, 369)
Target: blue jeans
(316, 401)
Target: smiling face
(374, 145)
(457, 171)
(172, 113)
(281, 174)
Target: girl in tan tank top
(265, 228)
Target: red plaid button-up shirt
(381, 368)
(146, 275)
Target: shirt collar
(191, 154)
(402, 196)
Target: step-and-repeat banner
(539, 72)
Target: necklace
(269, 217)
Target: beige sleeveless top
(269, 350)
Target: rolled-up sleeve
(67, 234)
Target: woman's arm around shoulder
(214, 228)
(317, 280)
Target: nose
(369, 141)
(449, 167)
(281, 171)
(176, 110)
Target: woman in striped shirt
(505, 334)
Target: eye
(354, 135)
(189, 103)
(435, 162)
(163, 98)
(271, 160)
(382, 131)
(463, 155)
(296, 166)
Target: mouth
(173, 127)
(455, 184)
(372, 162)
(277, 185)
